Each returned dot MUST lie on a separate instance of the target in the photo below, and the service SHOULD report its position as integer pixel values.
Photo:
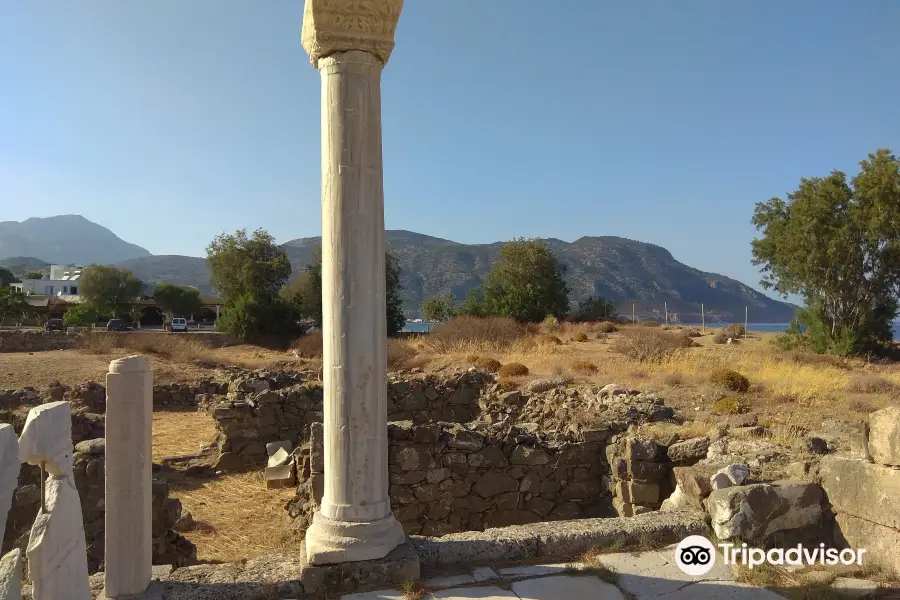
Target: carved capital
(331, 26)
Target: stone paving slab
(376, 595)
(648, 575)
(721, 590)
(852, 588)
(484, 574)
(448, 581)
(473, 593)
(526, 571)
(566, 587)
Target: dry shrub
(550, 323)
(825, 360)
(735, 330)
(309, 345)
(730, 380)
(458, 334)
(647, 345)
(860, 404)
(533, 328)
(638, 374)
(585, 367)
(602, 336)
(869, 383)
(549, 339)
(486, 363)
(513, 370)
(720, 338)
(685, 342)
(693, 333)
(403, 355)
(507, 385)
(728, 405)
(607, 327)
(649, 324)
(580, 337)
(673, 379)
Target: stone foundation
(446, 478)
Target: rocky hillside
(64, 239)
(617, 268)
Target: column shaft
(129, 420)
(355, 520)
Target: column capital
(331, 26)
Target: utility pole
(746, 312)
(702, 318)
(632, 313)
(666, 308)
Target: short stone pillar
(349, 42)
(129, 527)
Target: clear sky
(171, 121)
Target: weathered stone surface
(695, 482)
(639, 448)
(557, 538)
(881, 543)
(523, 455)
(569, 587)
(637, 493)
(11, 575)
(9, 470)
(688, 451)
(412, 458)
(861, 489)
(736, 473)
(491, 484)
(852, 588)
(467, 440)
(884, 436)
(754, 512)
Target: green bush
(249, 318)
(513, 370)
(81, 315)
(731, 380)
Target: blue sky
(662, 121)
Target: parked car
(179, 324)
(54, 325)
(116, 325)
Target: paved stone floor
(624, 576)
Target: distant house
(63, 283)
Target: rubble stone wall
(13, 340)
(448, 478)
(256, 412)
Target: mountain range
(623, 270)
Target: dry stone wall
(261, 409)
(35, 341)
(446, 478)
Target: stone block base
(154, 591)
(882, 544)
(401, 565)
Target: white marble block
(9, 470)
(57, 558)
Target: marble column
(128, 520)
(349, 42)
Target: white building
(63, 283)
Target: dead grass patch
(177, 433)
(869, 383)
(246, 517)
(309, 345)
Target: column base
(329, 542)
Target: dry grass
(869, 383)
(246, 517)
(584, 367)
(177, 433)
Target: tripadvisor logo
(695, 555)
